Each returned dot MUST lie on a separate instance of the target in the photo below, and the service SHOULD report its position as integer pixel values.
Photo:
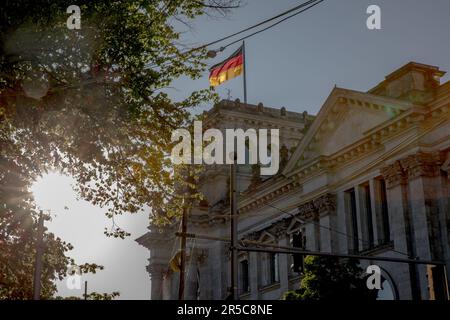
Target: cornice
(321, 205)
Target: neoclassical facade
(367, 175)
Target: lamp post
(38, 258)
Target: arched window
(388, 289)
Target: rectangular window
(386, 232)
(273, 268)
(368, 217)
(245, 281)
(352, 215)
(297, 241)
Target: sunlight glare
(53, 192)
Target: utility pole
(233, 232)
(85, 290)
(38, 258)
(183, 253)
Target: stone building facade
(368, 175)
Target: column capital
(307, 211)
(422, 164)
(325, 204)
(394, 174)
(157, 269)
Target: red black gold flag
(227, 69)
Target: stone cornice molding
(308, 211)
(405, 117)
(257, 201)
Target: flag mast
(245, 72)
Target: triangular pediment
(342, 121)
(295, 225)
(267, 237)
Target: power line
(325, 227)
(306, 6)
(259, 24)
(273, 25)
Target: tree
(91, 103)
(326, 278)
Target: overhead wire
(325, 227)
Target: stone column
(375, 211)
(308, 213)
(401, 229)
(156, 272)
(284, 264)
(361, 219)
(425, 192)
(253, 275)
(341, 225)
(325, 207)
(204, 274)
(167, 286)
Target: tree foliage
(327, 278)
(91, 103)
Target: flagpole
(245, 72)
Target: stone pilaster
(254, 275)
(400, 222)
(156, 272)
(284, 264)
(326, 210)
(426, 192)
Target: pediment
(267, 237)
(295, 225)
(342, 121)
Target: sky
(295, 64)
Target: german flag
(227, 69)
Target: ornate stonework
(307, 211)
(322, 164)
(325, 204)
(421, 165)
(322, 205)
(394, 174)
